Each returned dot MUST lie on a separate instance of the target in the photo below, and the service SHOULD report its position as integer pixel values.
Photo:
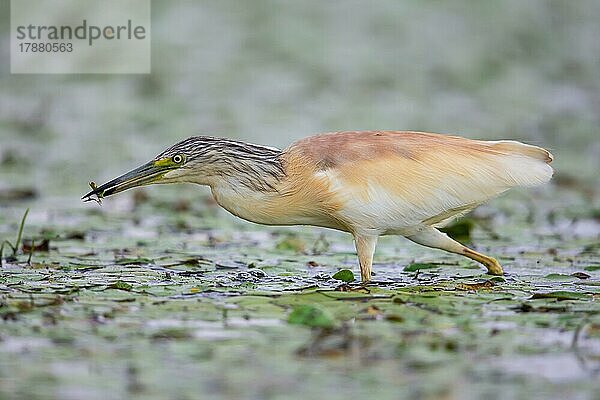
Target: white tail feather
(475, 175)
(524, 164)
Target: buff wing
(400, 182)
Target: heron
(366, 183)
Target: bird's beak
(144, 175)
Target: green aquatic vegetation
(561, 295)
(419, 266)
(344, 275)
(134, 261)
(291, 243)
(121, 286)
(312, 316)
(129, 296)
(560, 277)
(460, 230)
(159, 294)
(15, 247)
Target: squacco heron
(367, 183)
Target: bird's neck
(293, 196)
(244, 178)
(246, 202)
(245, 166)
(249, 173)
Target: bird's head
(201, 160)
(180, 163)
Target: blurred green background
(276, 71)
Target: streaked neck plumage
(217, 161)
(257, 183)
(244, 178)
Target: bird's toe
(494, 267)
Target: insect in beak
(141, 176)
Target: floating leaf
(344, 275)
(559, 277)
(561, 295)
(120, 285)
(309, 315)
(580, 275)
(134, 261)
(418, 266)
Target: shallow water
(161, 294)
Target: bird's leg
(431, 237)
(365, 248)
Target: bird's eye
(177, 158)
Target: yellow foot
(493, 266)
